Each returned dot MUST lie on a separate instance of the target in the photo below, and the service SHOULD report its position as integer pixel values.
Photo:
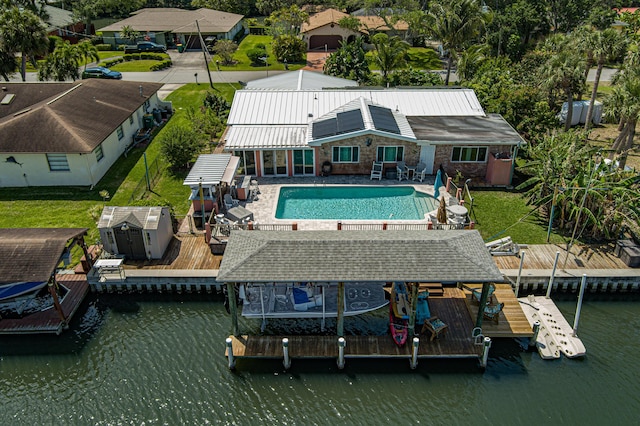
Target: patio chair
(492, 312)
(230, 202)
(401, 169)
(476, 294)
(435, 326)
(421, 172)
(376, 170)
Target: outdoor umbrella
(442, 211)
(437, 184)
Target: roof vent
(7, 98)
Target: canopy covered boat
(12, 290)
(309, 300)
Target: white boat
(309, 300)
(555, 335)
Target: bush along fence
(163, 63)
(154, 171)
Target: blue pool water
(353, 202)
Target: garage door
(318, 42)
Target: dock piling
(536, 330)
(341, 344)
(414, 354)
(285, 351)
(232, 361)
(485, 351)
(583, 284)
(519, 273)
(553, 275)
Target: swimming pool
(353, 202)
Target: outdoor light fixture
(124, 227)
(368, 141)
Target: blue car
(101, 72)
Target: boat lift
(503, 247)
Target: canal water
(154, 361)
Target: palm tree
(24, 32)
(455, 23)
(8, 63)
(88, 52)
(390, 53)
(127, 32)
(471, 59)
(62, 63)
(606, 46)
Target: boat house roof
(32, 254)
(418, 256)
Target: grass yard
(243, 62)
(141, 65)
(420, 58)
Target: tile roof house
(298, 132)
(322, 29)
(170, 26)
(69, 134)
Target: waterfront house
(69, 134)
(344, 130)
(171, 26)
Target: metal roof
(492, 129)
(300, 80)
(211, 169)
(257, 137)
(424, 256)
(32, 254)
(140, 217)
(295, 107)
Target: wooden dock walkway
(542, 256)
(184, 252)
(48, 321)
(512, 321)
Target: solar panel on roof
(324, 128)
(383, 119)
(350, 121)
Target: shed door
(318, 41)
(130, 243)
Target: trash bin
(147, 120)
(180, 47)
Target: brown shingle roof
(32, 254)
(67, 117)
(178, 21)
(332, 16)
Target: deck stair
(434, 289)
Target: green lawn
(244, 64)
(417, 58)
(141, 65)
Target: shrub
(261, 46)
(127, 57)
(289, 48)
(178, 145)
(103, 47)
(255, 56)
(113, 62)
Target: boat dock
(49, 320)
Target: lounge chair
(376, 170)
(230, 202)
(401, 169)
(492, 312)
(435, 326)
(421, 172)
(476, 294)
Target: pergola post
(414, 308)
(340, 322)
(85, 251)
(56, 302)
(483, 302)
(233, 308)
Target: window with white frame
(469, 154)
(99, 153)
(120, 132)
(131, 119)
(390, 154)
(345, 154)
(147, 104)
(58, 162)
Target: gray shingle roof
(423, 256)
(140, 217)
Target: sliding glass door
(303, 162)
(274, 163)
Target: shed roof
(300, 80)
(68, 117)
(32, 254)
(178, 21)
(296, 107)
(211, 169)
(147, 218)
(430, 256)
(492, 129)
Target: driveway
(315, 61)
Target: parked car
(101, 72)
(145, 46)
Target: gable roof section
(300, 80)
(299, 107)
(141, 217)
(212, 169)
(32, 254)
(318, 20)
(424, 256)
(70, 117)
(178, 21)
(492, 129)
(58, 18)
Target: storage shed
(136, 232)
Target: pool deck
(264, 208)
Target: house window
(247, 162)
(58, 162)
(390, 154)
(131, 119)
(345, 154)
(120, 133)
(147, 104)
(469, 154)
(99, 153)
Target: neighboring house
(295, 132)
(170, 26)
(69, 134)
(322, 31)
(619, 24)
(62, 24)
(136, 232)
